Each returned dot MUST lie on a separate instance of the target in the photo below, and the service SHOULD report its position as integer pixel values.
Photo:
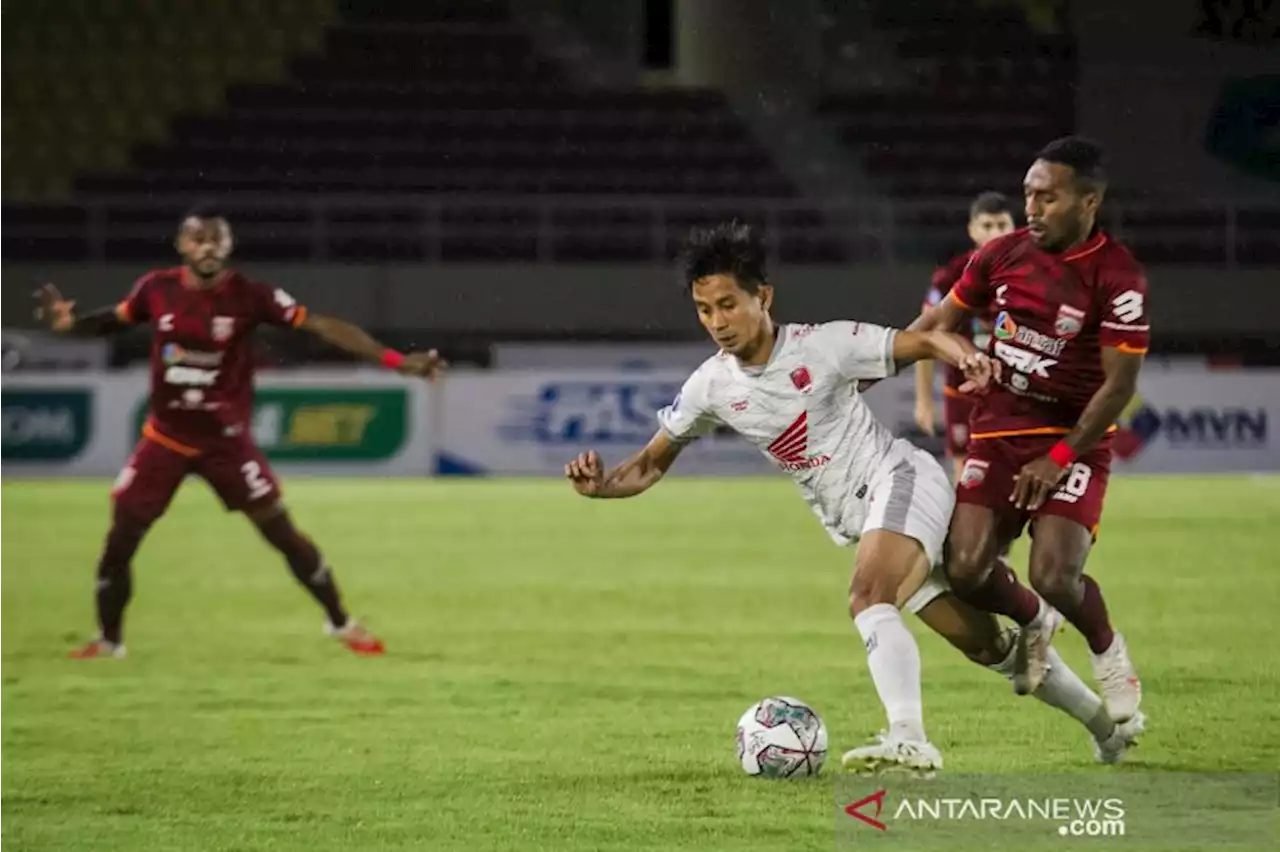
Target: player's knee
(967, 567)
(1056, 576)
(869, 588)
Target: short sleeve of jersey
(861, 350)
(973, 290)
(689, 416)
(1124, 323)
(135, 308)
(274, 306)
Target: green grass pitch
(562, 674)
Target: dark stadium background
(462, 172)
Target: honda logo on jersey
(791, 448)
(1024, 361)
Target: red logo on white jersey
(740, 405)
(801, 379)
(791, 446)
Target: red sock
(1091, 618)
(1003, 594)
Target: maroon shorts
(238, 472)
(992, 465)
(956, 408)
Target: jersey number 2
(259, 485)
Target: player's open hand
(427, 365)
(585, 473)
(1035, 482)
(980, 372)
(53, 310)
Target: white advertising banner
(324, 422)
(1199, 421)
(533, 422)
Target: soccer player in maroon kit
(1068, 307)
(990, 216)
(201, 406)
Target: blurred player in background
(1070, 327)
(201, 407)
(792, 390)
(990, 216)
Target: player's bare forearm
(924, 380)
(913, 346)
(944, 316)
(636, 475)
(348, 337)
(1108, 403)
(101, 323)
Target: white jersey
(803, 411)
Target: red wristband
(1062, 454)
(391, 359)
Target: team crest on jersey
(1069, 322)
(974, 473)
(223, 328)
(802, 379)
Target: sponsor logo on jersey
(172, 353)
(739, 406)
(191, 376)
(974, 473)
(1005, 328)
(1069, 322)
(1040, 342)
(802, 379)
(1028, 363)
(791, 448)
(223, 328)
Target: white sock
(894, 660)
(1063, 689)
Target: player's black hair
(203, 210)
(1083, 156)
(990, 203)
(729, 248)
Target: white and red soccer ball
(781, 737)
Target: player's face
(1058, 213)
(737, 320)
(985, 227)
(205, 245)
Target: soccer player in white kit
(792, 390)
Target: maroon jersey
(1053, 315)
(977, 329)
(202, 353)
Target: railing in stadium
(565, 228)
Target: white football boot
(885, 755)
(1125, 736)
(1118, 680)
(1031, 657)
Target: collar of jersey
(754, 372)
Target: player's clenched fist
(980, 372)
(586, 473)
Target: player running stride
(990, 216)
(1068, 305)
(201, 406)
(792, 391)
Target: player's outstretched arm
(59, 315)
(979, 370)
(356, 341)
(634, 476)
(924, 412)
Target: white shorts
(914, 497)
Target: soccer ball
(781, 737)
